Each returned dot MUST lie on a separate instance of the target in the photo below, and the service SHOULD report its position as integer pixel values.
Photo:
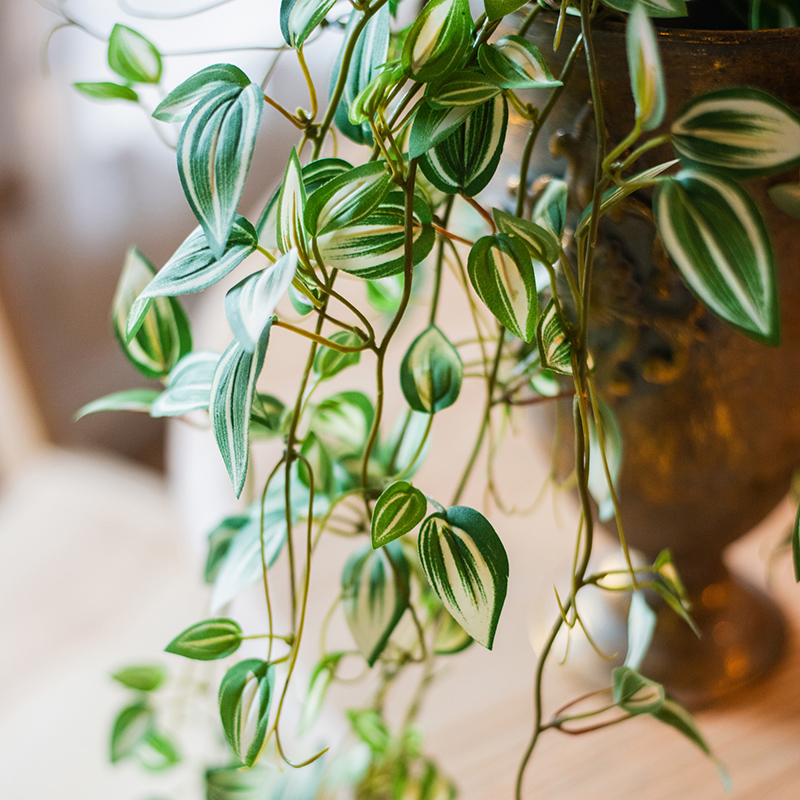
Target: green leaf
(467, 88)
(375, 246)
(329, 362)
(550, 209)
(157, 752)
(514, 63)
(245, 695)
(743, 131)
(299, 18)
(612, 439)
(162, 336)
(467, 159)
(636, 694)
(497, 9)
(405, 440)
(450, 637)
(653, 8)
(131, 727)
(644, 65)
(371, 728)
(192, 268)
(384, 294)
(433, 125)
(713, 232)
(126, 400)
(133, 57)
(501, 273)
(215, 149)
(542, 244)
(555, 350)
(348, 198)
(231, 400)
(343, 422)
(769, 14)
(796, 546)
(266, 416)
(219, 543)
(439, 40)
(207, 640)
(291, 232)
(375, 590)
(321, 465)
(251, 304)
(142, 677)
(321, 678)
(397, 511)
(676, 716)
(467, 566)
(431, 372)
(641, 624)
(787, 197)
(178, 104)
(104, 90)
(188, 385)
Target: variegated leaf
(636, 694)
(653, 8)
(291, 207)
(450, 637)
(343, 421)
(746, 132)
(550, 209)
(368, 102)
(133, 57)
(439, 40)
(375, 246)
(644, 65)
(329, 361)
(555, 350)
(126, 400)
(717, 239)
(178, 104)
(250, 304)
(397, 511)
(348, 198)
(432, 125)
(514, 63)
(467, 159)
(207, 640)
(162, 334)
(188, 385)
(321, 679)
(375, 590)
(299, 18)
(542, 244)
(431, 372)
(194, 267)
(215, 149)
(467, 88)
(501, 273)
(231, 399)
(467, 566)
(245, 695)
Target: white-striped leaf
(368, 57)
(741, 130)
(207, 640)
(439, 40)
(329, 361)
(542, 244)
(131, 728)
(613, 446)
(375, 246)
(177, 105)
(653, 8)
(644, 65)
(343, 422)
(215, 149)
(550, 208)
(126, 400)
(133, 57)
(514, 63)
(467, 566)
(717, 239)
(291, 207)
(431, 372)
(231, 399)
(555, 350)
(398, 510)
(194, 267)
(501, 273)
(250, 304)
(375, 590)
(636, 694)
(787, 197)
(497, 9)
(105, 90)
(188, 385)
(467, 88)
(347, 199)
(467, 159)
(368, 102)
(162, 336)
(219, 542)
(298, 18)
(433, 125)
(245, 695)
(450, 637)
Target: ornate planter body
(710, 419)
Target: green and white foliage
(644, 65)
(299, 18)
(439, 40)
(157, 752)
(555, 350)
(267, 415)
(178, 104)
(399, 509)
(188, 385)
(605, 459)
(142, 677)
(550, 208)
(467, 566)
(514, 63)
(375, 594)
(543, 245)
(106, 90)
(431, 372)
(207, 640)
(653, 8)
(126, 400)
(321, 678)
(407, 440)
(371, 728)
(466, 160)
(134, 58)
(245, 695)
(464, 88)
(742, 131)
(291, 231)
(450, 638)
(343, 421)
(231, 400)
(329, 361)
(162, 335)
(219, 543)
(374, 247)
(131, 727)
(501, 272)
(433, 125)
(717, 240)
